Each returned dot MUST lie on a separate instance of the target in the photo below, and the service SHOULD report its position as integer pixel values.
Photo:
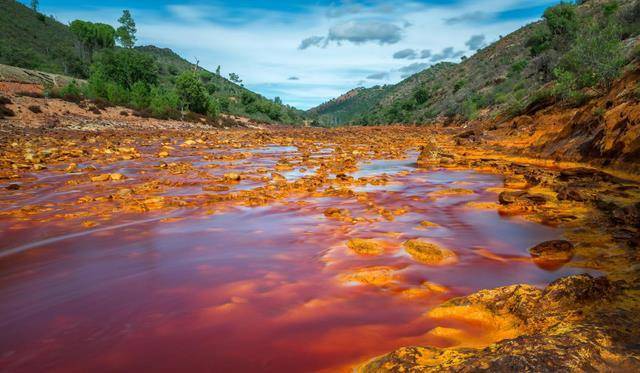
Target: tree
(235, 78)
(218, 70)
(125, 67)
(34, 5)
(93, 36)
(277, 100)
(127, 31)
(192, 92)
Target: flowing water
(248, 288)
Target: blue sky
(307, 52)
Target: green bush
(117, 94)
(213, 108)
(192, 92)
(140, 97)
(71, 92)
(539, 41)
(164, 103)
(518, 67)
(421, 95)
(563, 24)
(595, 60)
(558, 31)
(458, 85)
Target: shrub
(518, 67)
(421, 95)
(212, 88)
(164, 103)
(539, 41)
(213, 108)
(595, 60)
(71, 92)
(140, 96)
(247, 98)
(117, 94)
(563, 24)
(458, 85)
(192, 92)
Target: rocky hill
(32, 40)
(499, 80)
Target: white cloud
(263, 46)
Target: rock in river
(429, 253)
(555, 250)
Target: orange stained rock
(364, 246)
(429, 253)
(476, 326)
(376, 276)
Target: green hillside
(35, 41)
(507, 76)
(32, 40)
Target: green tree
(218, 70)
(34, 5)
(127, 31)
(93, 36)
(277, 100)
(235, 78)
(125, 67)
(192, 92)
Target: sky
(307, 52)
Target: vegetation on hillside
(574, 53)
(145, 78)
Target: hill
(499, 80)
(34, 41)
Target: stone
(336, 213)
(507, 198)
(429, 253)
(363, 246)
(568, 193)
(376, 276)
(232, 176)
(100, 178)
(117, 177)
(555, 250)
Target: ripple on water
(253, 288)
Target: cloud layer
(306, 52)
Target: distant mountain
(34, 41)
(500, 79)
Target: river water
(249, 288)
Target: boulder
(363, 246)
(507, 198)
(555, 250)
(429, 253)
